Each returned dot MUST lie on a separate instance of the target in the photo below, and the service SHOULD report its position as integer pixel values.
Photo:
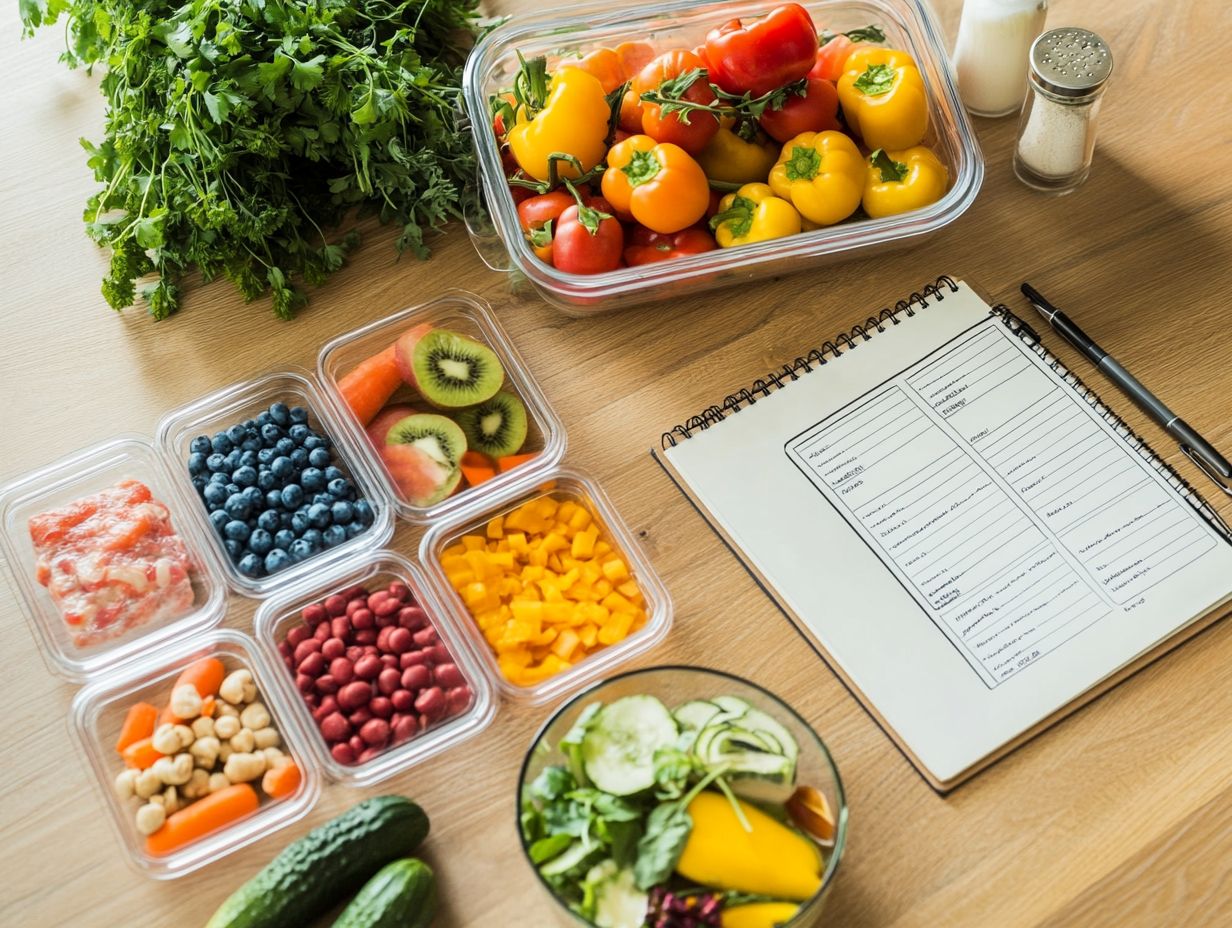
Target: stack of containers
(142, 663)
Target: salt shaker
(990, 54)
(1056, 133)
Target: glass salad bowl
(682, 790)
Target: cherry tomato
(816, 111)
(701, 127)
(647, 247)
(536, 213)
(577, 250)
(767, 54)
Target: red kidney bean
(416, 678)
(405, 728)
(296, 634)
(284, 648)
(320, 713)
(354, 653)
(335, 727)
(431, 703)
(375, 732)
(382, 638)
(343, 753)
(303, 682)
(289, 662)
(426, 637)
(359, 717)
(388, 681)
(446, 675)
(402, 700)
(357, 744)
(412, 618)
(333, 647)
(362, 618)
(340, 626)
(304, 648)
(399, 640)
(457, 699)
(367, 667)
(399, 590)
(412, 659)
(314, 613)
(438, 654)
(354, 695)
(390, 661)
(355, 590)
(375, 599)
(312, 700)
(381, 707)
(342, 670)
(386, 607)
(326, 684)
(372, 649)
(330, 702)
(366, 636)
(355, 605)
(336, 604)
(313, 664)
(322, 631)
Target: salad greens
(240, 134)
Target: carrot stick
(206, 675)
(138, 724)
(208, 705)
(367, 388)
(208, 814)
(281, 781)
(510, 461)
(477, 467)
(140, 754)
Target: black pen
(1195, 447)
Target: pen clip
(1202, 465)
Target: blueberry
(251, 443)
(250, 565)
(232, 460)
(266, 456)
(314, 442)
(342, 512)
(260, 542)
(238, 506)
(285, 519)
(318, 515)
(300, 523)
(219, 518)
(299, 457)
(292, 495)
(300, 549)
(298, 414)
(325, 498)
(334, 536)
(234, 549)
(312, 480)
(199, 483)
(319, 457)
(277, 560)
(231, 488)
(214, 495)
(284, 446)
(273, 499)
(266, 481)
(219, 477)
(248, 459)
(236, 433)
(270, 434)
(263, 418)
(236, 529)
(284, 538)
(245, 476)
(221, 443)
(334, 473)
(364, 513)
(340, 487)
(255, 497)
(280, 414)
(216, 462)
(282, 468)
(355, 528)
(200, 445)
(196, 463)
(314, 537)
(269, 521)
(297, 433)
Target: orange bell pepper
(614, 66)
(656, 183)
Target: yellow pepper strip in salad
(753, 214)
(900, 181)
(568, 116)
(821, 174)
(758, 914)
(883, 97)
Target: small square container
(468, 315)
(230, 405)
(81, 474)
(577, 29)
(563, 484)
(375, 570)
(98, 712)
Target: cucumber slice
(756, 720)
(696, 714)
(733, 705)
(569, 858)
(619, 748)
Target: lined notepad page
(1016, 549)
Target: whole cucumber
(401, 895)
(316, 872)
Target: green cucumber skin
(401, 895)
(317, 871)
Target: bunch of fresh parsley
(241, 133)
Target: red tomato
(647, 247)
(701, 127)
(536, 213)
(772, 51)
(577, 250)
(816, 111)
(831, 57)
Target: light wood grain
(1122, 815)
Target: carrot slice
(477, 467)
(510, 461)
(281, 781)
(367, 388)
(206, 675)
(217, 810)
(140, 754)
(138, 724)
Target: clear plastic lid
(376, 571)
(98, 712)
(234, 404)
(562, 484)
(468, 315)
(71, 480)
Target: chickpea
(225, 710)
(169, 739)
(205, 752)
(227, 727)
(126, 782)
(243, 741)
(174, 771)
(218, 781)
(203, 727)
(185, 702)
(148, 783)
(267, 737)
(197, 786)
(255, 716)
(274, 758)
(241, 768)
(171, 800)
(150, 818)
(238, 687)
(225, 751)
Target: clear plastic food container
(578, 29)
(223, 408)
(82, 474)
(98, 712)
(563, 484)
(467, 315)
(378, 569)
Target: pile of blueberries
(273, 493)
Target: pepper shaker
(1056, 132)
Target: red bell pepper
(832, 54)
(695, 129)
(815, 111)
(648, 247)
(765, 55)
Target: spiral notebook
(971, 539)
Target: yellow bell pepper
(821, 174)
(900, 181)
(753, 214)
(573, 120)
(883, 97)
(768, 860)
(730, 159)
(758, 915)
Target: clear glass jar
(1056, 132)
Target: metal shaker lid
(1070, 62)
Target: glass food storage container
(98, 712)
(564, 486)
(468, 315)
(908, 25)
(674, 686)
(376, 571)
(239, 402)
(67, 481)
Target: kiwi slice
(439, 437)
(496, 427)
(452, 370)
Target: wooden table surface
(1121, 815)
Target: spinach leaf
(659, 850)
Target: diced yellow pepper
(580, 519)
(517, 543)
(615, 570)
(496, 528)
(588, 634)
(473, 543)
